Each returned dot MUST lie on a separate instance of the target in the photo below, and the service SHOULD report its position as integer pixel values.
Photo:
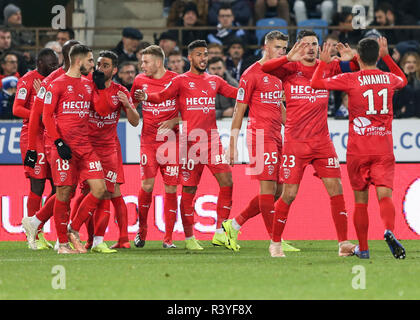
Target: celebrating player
(262, 92)
(156, 119)
(27, 88)
(370, 151)
(195, 92)
(306, 137)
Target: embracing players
(195, 92)
(370, 148)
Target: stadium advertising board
(309, 218)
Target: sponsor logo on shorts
(95, 166)
(111, 176)
(333, 163)
(172, 171)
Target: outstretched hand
(383, 47)
(345, 51)
(297, 52)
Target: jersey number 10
(384, 94)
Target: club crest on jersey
(144, 87)
(286, 173)
(88, 88)
(299, 74)
(212, 85)
(115, 100)
(192, 85)
(265, 79)
(70, 88)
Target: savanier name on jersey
(374, 79)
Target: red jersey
(307, 108)
(35, 126)
(262, 92)
(195, 97)
(69, 100)
(370, 109)
(25, 97)
(155, 113)
(103, 129)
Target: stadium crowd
(234, 50)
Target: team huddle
(69, 137)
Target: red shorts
(109, 161)
(320, 154)
(264, 164)
(364, 170)
(42, 168)
(197, 156)
(162, 156)
(83, 165)
(120, 169)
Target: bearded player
(306, 138)
(195, 92)
(370, 153)
(157, 119)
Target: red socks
(224, 205)
(280, 218)
(86, 209)
(170, 211)
(361, 224)
(47, 210)
(144, 200)
(339, 214)
(101, 217)
(76, 205)
(121, 217)
(266, 203)
(61, 219)
(187, 213)
(33, 204)
(250, 211)
(387, 210)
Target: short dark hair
(225, 6)
(4, 29)
(385, 7)
(6, 53)
(215, 60)
(174, 52)
(127, 63)
(305, 33)
(70, 31)
(110, 55)
(368, 50)
(79, 50)
(197, 44)
(44, 53)
(331, 36)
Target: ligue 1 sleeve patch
(22, 94)
(241, 94)
(41, 93)
(48, 97)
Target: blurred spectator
(127, 48)
(55, 45)
(333, 40)
(7, 97)
(325, 7)
(401, 48)
(345, 33)
(142, 45)
(189, 19)
(177, 11)
(9, 65)
(272, 9)
(127, 71)
(168, 42)
(385, 15)
(176, 62)
(215, 50)
(237, 62)
(224, 106)
(343, 111)
(5, 45)
(13, 20)
(241, 9)
(223, 35)
(407, 100)
(64, 35)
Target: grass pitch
(215, 273)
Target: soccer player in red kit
(27, 88)
(370, 151)
(36, 129)
(195, 92)
(306, 138)
(262, 92)
(66, 108)
(157, 117)
(103, 138)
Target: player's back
(370, 111)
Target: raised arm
(393, 67)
